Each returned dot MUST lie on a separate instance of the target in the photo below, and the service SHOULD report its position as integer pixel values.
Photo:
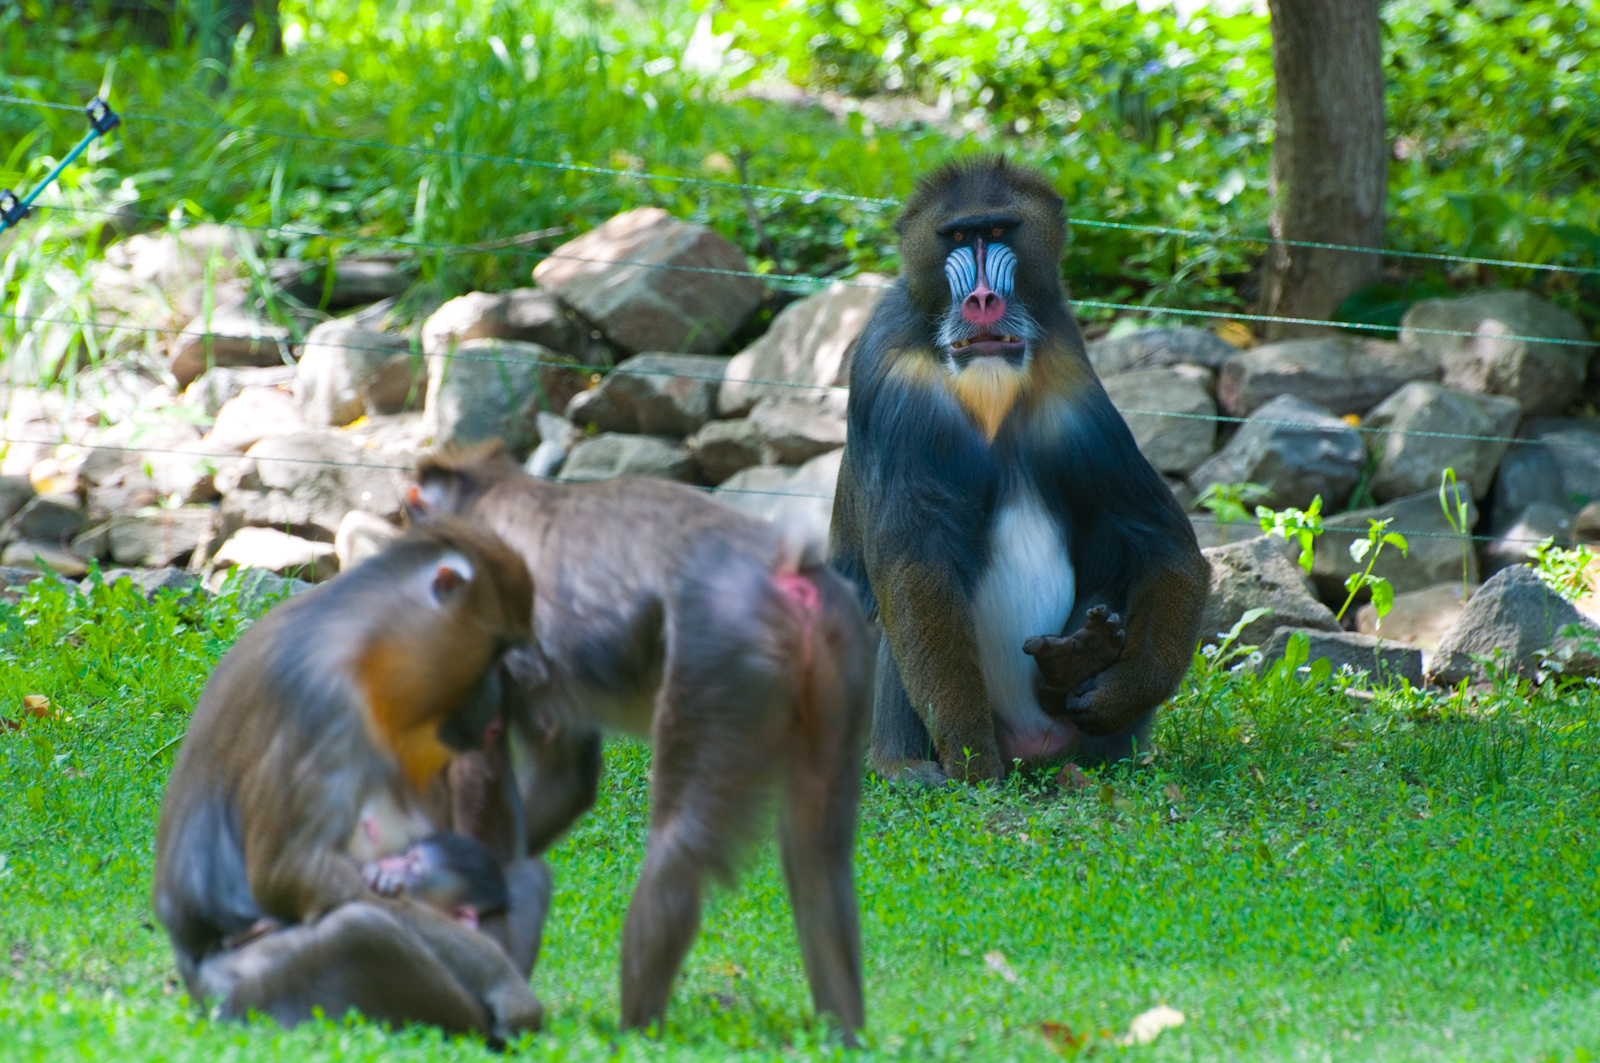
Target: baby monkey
(452, 872)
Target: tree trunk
(1330, 157)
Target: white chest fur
(1027, 590)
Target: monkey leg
(519, 928)
(816, 829)
(1066, 662)
(901, 751)
(928, 623)
(358, 956)
(477, 962)
(1163, 628)
(559, 784)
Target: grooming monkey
(665, 614)
(1038, 586)
(311, 753)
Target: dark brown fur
(321, 729)
(958, 426)
(667, 615)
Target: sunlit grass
(1302, 873)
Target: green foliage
(1226, 502)
(1564, 570)
(1369, 549)
(1303, 525)
(1457, 508)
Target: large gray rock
(806, 351)
(1343, 374)
(119, 390)
(47, 518)
(306, 483)
(800, 500)
(525, 314)
(1559, 464)
(1544, 377)
(1383, 660)
(1295, 449)
(212, 389)
(652, 283)
(156, 537)
(1173, 444)
(794, 430)
(1510, 619)
(557, 437)
(52, 555)
(346, 372)
(355, 281)
(361, 535)
(723, 448)
(656, 394)
(494, 389)
(1536, 522)
(1257, 574)
(612, 454)
(1434, 551)
(279, 553)
(1156, 348)
(15, 491)
(235, 335)
(37, 421)
(1417, 617)
(253, 415)
(1410, 462)
(154, 581)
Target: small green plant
(1369, 549)
(1303, 524)
(1456, 510)
(1564, 570)
(1226, 503)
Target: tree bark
(1330, 158)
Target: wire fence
(807, 195)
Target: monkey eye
(998, 232)
(959, 236)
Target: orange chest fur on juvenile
(404, 709)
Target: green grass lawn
(1302, 873)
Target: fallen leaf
(1236, 333)
(8, 724)
(997, 963)
(1072, 777)
(1060, 1037)
(1147, 1026)
(1174, 793)
(37, 705)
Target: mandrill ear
(450, 573)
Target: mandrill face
(981, 243)
(985, 318)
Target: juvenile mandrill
(318, 748)
(1038, 586)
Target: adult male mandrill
(1038, 586)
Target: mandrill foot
(1068, 661)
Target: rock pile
(217, 435)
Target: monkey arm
(1163, 626)
(928, 622)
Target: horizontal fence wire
(805, 195)
(551, 363)
(233, 456)
(1138, 308)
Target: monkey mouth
(989, 345)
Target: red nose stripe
(982, 306)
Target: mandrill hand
(1069, 661)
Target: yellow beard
(988, 388)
